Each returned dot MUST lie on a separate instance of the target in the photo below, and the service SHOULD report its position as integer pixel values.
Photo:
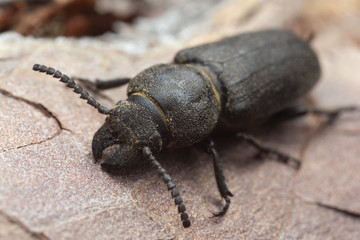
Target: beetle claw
(225, 208)
(109, 165)
(102, 139)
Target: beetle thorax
(186, 97)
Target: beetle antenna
(71, 84)
(170, 185)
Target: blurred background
(137, 24)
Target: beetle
(231, 85)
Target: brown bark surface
(50, 187)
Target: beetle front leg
(287, 159)
(220, 179)
(98, 85)
(102, 84)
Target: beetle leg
(220, 179)
(103, 84)
(96, 87)
(289, 113)
(299, 111)
(287, 159)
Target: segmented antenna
(71, 84)
(170, 185)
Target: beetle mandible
(229, 85)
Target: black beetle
(229, 85)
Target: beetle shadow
(172, 160)
(233, 152)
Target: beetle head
(128, 125)
(130, 128)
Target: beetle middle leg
(220, 179)
(289, 113)
(282, 157)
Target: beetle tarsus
(224, 210)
